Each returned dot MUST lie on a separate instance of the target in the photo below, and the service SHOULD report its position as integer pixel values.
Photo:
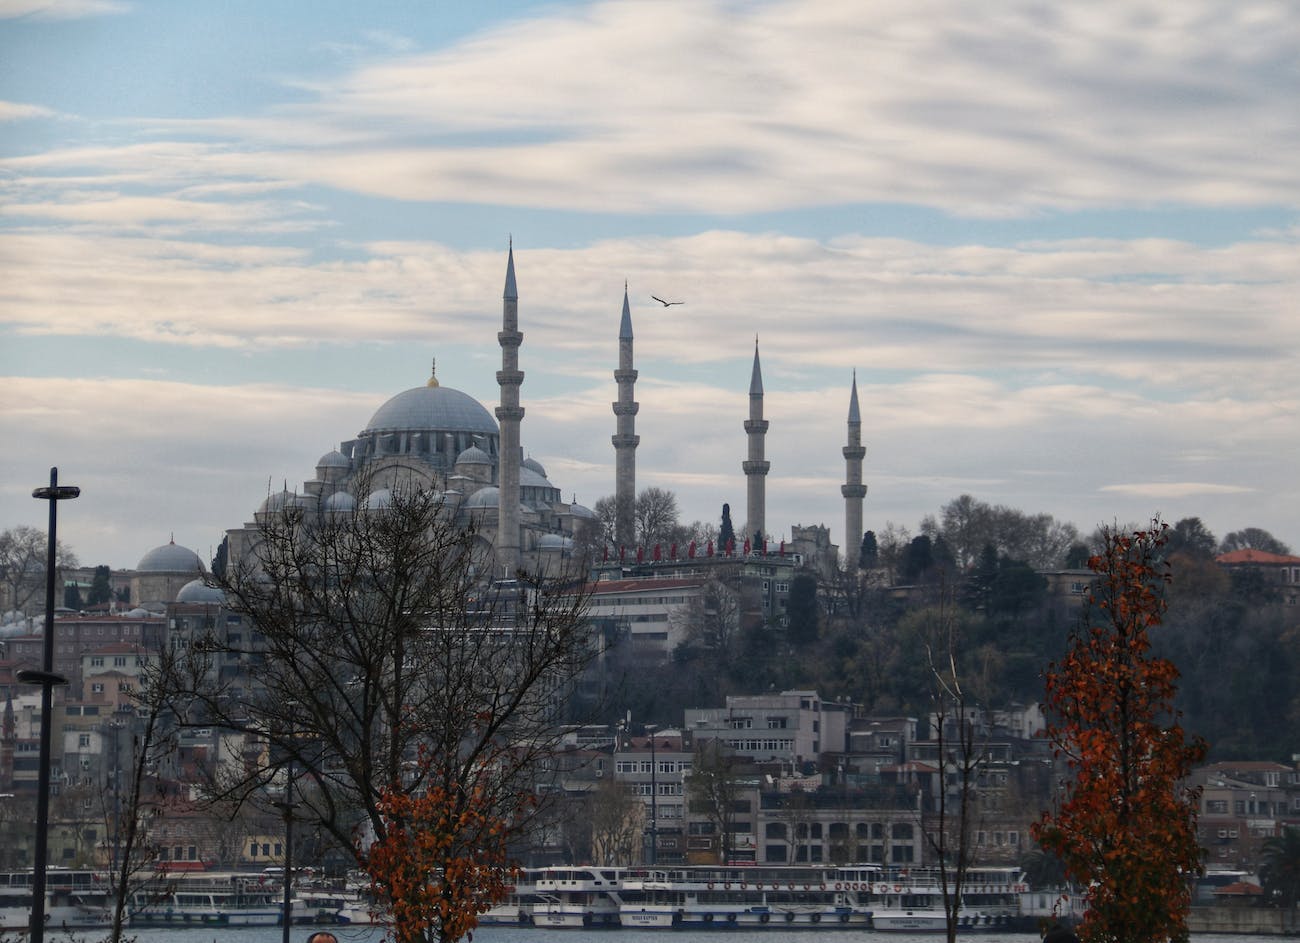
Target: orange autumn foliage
(442, 859)
(1126, 830)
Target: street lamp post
(47, 679)
(654, 798)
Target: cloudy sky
(1058, 243)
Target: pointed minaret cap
(756, 378)
(433, 373)
(853, 401)
(625, 326)
(512, 293)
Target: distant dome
(473, 456)
(340, 501)
(379, 500)
(199, 591)
(554, 542)
(333, 459)
(578, 510)
(533, 465)
(434, 409)
(170, 558)
(139, 613)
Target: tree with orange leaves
(444, 858)
(1126, 829)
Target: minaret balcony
(756, 467)
(626, 409)
(756, 425)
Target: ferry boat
(911, 900)
(575, 897)
(75, 899)
(206, 898)
(752, 897)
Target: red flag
(783, 548)
(640, 554)
(710, 548)
(658, 555)
(746, 546)
(672, 553)
(690, 551)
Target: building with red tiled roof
(1281, 570)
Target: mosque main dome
(170, 558)
(432, 409)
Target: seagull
(666, 304)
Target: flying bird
(666, 304)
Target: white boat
(751, 897)
(74, 899)
(575, 897)
(911, 900)
(203, 898)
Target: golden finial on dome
(433, 373)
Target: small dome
(473, 456)
(554, 542)
(277, 502)
(139, 613)
(340, 501)
(534, 465)
(333, 459)
(484, 498)
(170, 558)
(379, 500)
(579, 510)
(199, 591)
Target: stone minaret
(756, 467)
(509, 413)
(625, 440)
(853, 489)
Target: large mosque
(433, 437)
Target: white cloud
(60, 9)
(17, 111)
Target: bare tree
(381, 670)
(712, 619)
(713, 787)
(617, 821)
(963, 755)
(23, 563)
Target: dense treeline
(1236, 646)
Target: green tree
(1191, 538)
(1126, 830)
(868, 552)
(801, 607)
(1253, 538)
(1280, 873)
(726, 532)
(101, 586)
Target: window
(83, 740)
(119, 661)
(96, 688)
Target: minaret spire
(756, 466)
(853, 489)
(509, 414)
(625, 439)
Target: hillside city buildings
(814, 780)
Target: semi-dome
(582, 511)
(170, 558)
(332, 459)
(197, 591)
(554, 542)
(528, 478)
(533, 465)
(434, 409)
